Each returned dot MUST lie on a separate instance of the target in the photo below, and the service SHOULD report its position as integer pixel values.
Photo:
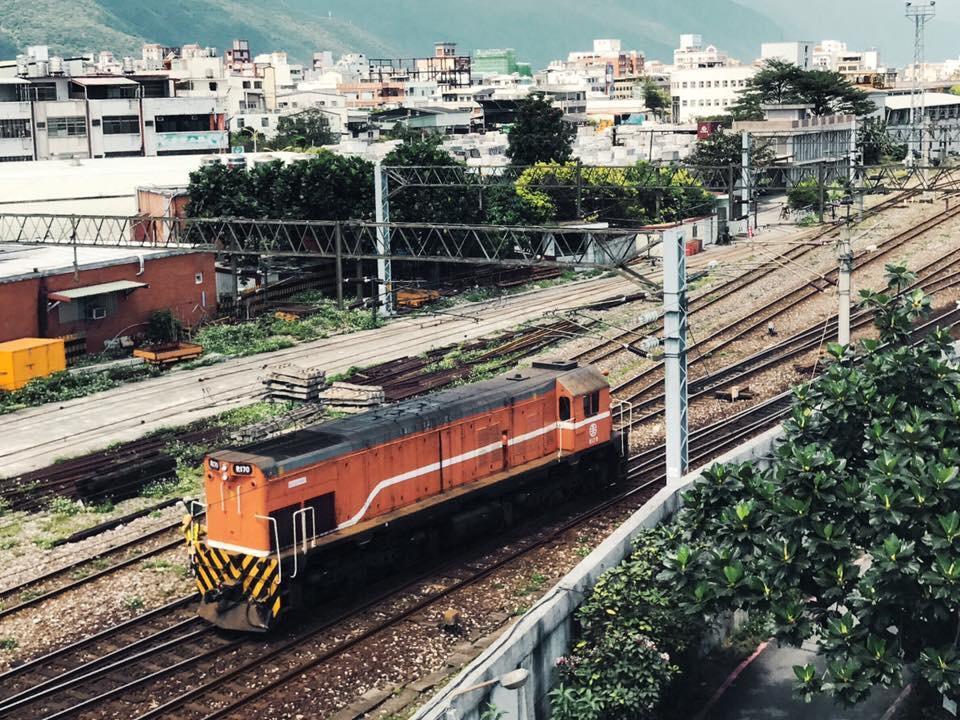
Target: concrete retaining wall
(543, 634)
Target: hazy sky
(865, 23)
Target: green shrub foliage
(850, 538)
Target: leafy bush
(635, 632)
(65, 506)
(269, 333)
(164, 327)
(867, 470)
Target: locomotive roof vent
(555, 364)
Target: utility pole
(384, 268)
(920, 12)
(844, 281)
(746, 181)
(675, 355)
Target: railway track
(79, 573)
(650, 379)
(168, 664)
(610, 347)
(941, 274)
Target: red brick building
(101, 293)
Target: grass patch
(133, 603)
(65, 507)
(63, 386)
(533, 584)
(8, 644)
(166, 566)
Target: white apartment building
(797, 52)
(834, 55)
(693, 54)
(704, 91)
(61, 116)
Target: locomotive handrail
(303, 521)
(624, 435)
(276, 544)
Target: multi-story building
(46, 113)
(797, 137)
(797, 52)
(704, 91)
(693, 54)
(608, 53)
(501, 61)
(942, 122)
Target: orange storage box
(27, 358)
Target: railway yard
(98, 610)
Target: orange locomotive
(297, 516)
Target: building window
(14, 128)
(684, 85)
(121, 125)
(183, 123)
(246, 84)
(198, 278)
(265, 122)
(726, 83)
(564, 410)
(67, 126)
(241, 122)
(45, 91)
(591, 405)
(257, 84)
(213, 86)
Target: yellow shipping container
(27, 358)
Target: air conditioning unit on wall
(98, 313)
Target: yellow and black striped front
(238, 591)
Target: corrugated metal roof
(90, 290)
(902, 102)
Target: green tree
(219, 191)
(454, 205)
(779, 82)
(655, 98)
(305, 129)
(641, 194)
(325, 187)
(540, 134)
(875, 144)
(723, 149)
(249, 139)
(804, 194)
(852, 538)
(503, 205)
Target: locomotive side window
(565, 408)
(591, 404)
(284, 518)
(324, 507)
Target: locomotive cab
(583, 410)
